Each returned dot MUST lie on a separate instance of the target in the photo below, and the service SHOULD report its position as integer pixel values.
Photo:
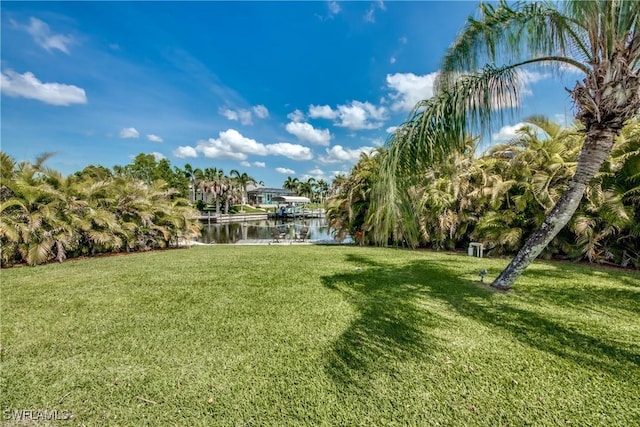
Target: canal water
(261, 230)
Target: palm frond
(438, 126)
(516, 33)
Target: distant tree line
(316, 190)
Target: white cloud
(154, 138)
(296, 116)
(392, 60)
(408, 89)
(261, 111)
(356, 115)
(316, 174)
(334, 7)
(507, 133)
(370, 15)
(184, 152)
(285, 171)
(212, 149)
(392, 129)
(338, 153)
(361, 115)
(129, 133)
(570, 69)
(231, 144)
(28, 86)
(42, 35)
(229, 114)
(529, 77)
(256, 164)
(532, 76)
(322, 111)
(306, 132)
(245, 117)
(158, 156)
(563, 119)
(242, 116)
(292, 151)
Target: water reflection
(252, 230)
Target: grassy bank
(273, 335)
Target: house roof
(290, 199)
(263, 190)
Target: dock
(213, 218)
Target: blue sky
(274, 89)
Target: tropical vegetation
(316, 190)
(45, 216)
(502, 196)
(481, 77)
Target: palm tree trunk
(596, 149)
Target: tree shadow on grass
(394, 320)
(586, 290)
(392, 323)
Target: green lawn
(318, 335)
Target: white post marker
(476, 249)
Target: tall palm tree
(307, 188)
(521, 181)
(480, 79)
(189, 173)
(291, 184)
(214, 183)
(242, 180)
(348, 209)
(607, 223)
(323, 189)
(337, 183)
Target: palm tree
(242, 180)
(348, 209)
(215, 183)
(291, 184)
(37, 216)
(521, 181)
(307, 188)
(442, 200)
(323, 189)
(607, 223)
(46, 216)
(189, 173)
(337, 183)
(597, 38)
